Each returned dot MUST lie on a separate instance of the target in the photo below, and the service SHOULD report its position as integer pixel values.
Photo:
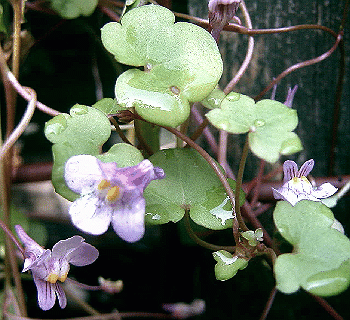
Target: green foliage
(108, 106)
(181, 62)
(83, 131)
(2, 23)
(190, 183)
(214, 99)
(269, 123)
(319, 262)
(253, 237)
(71, 9)
(227, 265)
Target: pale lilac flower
(48, 267)
(297, 187)
(109, 194)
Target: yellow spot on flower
(52, 278)
(63, 278)
(113, 194)
(104, 184)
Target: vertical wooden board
(273, 54)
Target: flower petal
(138, 176)
(90, 214)
(286, 195)
(32, 248)
(306, 168)
(64, 247)
(82, 172)
(290, 170)
(62, 300)
(83, 255)
(46, 293)
(324, 191)
(128, 220)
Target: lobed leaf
(319, 261)
(269, 124)
(190, 184)
(181, 62)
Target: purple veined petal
(64, 247)
(62, 300)
(299, 186)
(306, 168)
(29, 244)
(39, 264)
(91, 215)
(46, 293)
(82, 172)
(290, 170)
(128, 220)
(324, 191)
(83, 255)
(141, 175)
(286, 194)
(136, 176)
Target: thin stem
(213, 164)
(269, 304)
(9, 77)
(11, 236)
(251, 32)
(249, 53)
(325, 305)
(258, 183)
(119, 130)
(11, 140)
(239, 181)
(201, 242)
(301, 65)
(83, 286)
(85, 306)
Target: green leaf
(71, 9)
(83, 131)
(124, 154)
(214, 99)
(190, 183)
(132, 4)
(319, 261)
(108, 106)
(227, 265)
(2, 23)
(181, 61)
(269, 123)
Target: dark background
(165, 266)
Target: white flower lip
(297, 187)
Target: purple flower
(297, 187)
(109, 195)
(48, 266)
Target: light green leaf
(181, 61)
(269, 124)
(84, 131)
(227, 265)
(71, 9)
(190, 183)
(318, 262)
(108, 106)
(214, 99)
